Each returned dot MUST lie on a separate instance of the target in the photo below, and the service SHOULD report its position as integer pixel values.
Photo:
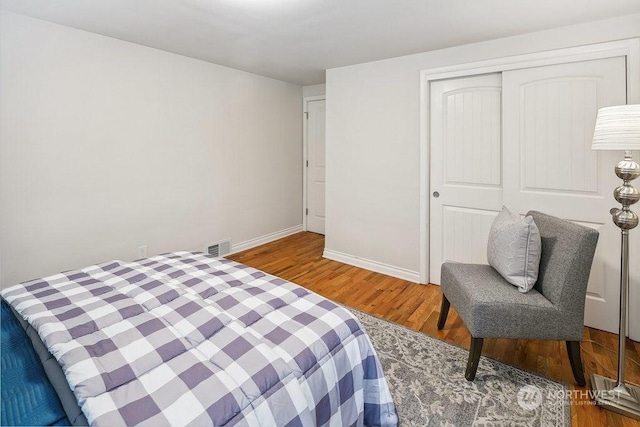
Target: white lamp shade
(617, 128)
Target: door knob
(436, 194)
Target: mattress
(188, 339)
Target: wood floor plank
(298, 258)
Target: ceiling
(297, 40)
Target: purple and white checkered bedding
(187, 339)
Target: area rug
(426, 378)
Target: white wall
(314, 90)
(108, 145)
(373, 137)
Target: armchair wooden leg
(474, 358)
(575, 358)
(444, 312)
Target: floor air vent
(220, 248)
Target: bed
(188, 339)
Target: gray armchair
(490, 307)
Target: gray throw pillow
(514, 249)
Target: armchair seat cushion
(493, 308)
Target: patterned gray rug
(426, 378)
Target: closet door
(548, 119)
(466, 168)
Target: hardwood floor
(298, 258)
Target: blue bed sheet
(26, 394)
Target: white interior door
(466, 168)
(549, 116)
(315, 166)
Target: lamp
(618, 128)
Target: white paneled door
(522, 138)
(549, 116)
(466, 168)
(315, 165)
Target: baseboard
(378, 267)
(252, 243)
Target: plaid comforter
(187, 339)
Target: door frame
(305, 150)
(629, 48)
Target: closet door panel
(548, 118)
(466, 168)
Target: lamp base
(625, 402)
